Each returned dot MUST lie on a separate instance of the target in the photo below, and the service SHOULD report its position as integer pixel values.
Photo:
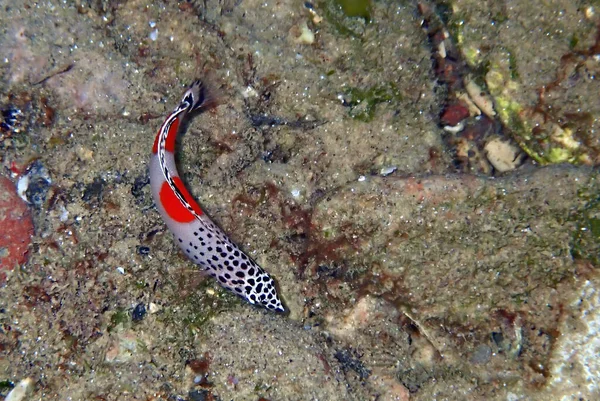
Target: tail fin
(199, 96)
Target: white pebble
(21, 390)
(388, 170)
(22, 186)
(64, 214)
(249, 92)
(153, 308)
(503, 155)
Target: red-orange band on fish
(172, 135)
(173, 206)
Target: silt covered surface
(325, 162)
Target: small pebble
(21, 390)
(137, 189)
(143, 250)
(388, 170)
(481, 355)
(138, 312)
(94, 191)
(498, 339)
(22, 186)
(200, 395)
(9, 118)
(307, 36)
(34, 185)
(503, 155)
(153, 308)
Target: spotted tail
(201, 239)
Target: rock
(16, 228)
(139, 312)
(35, 184)
(443, 251)
(454, 114)
(21, 390)
(503, 155)
(127, 345)
(548, 103)
(481, 354)
(575, 366)
(269, 356)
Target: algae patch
(120, 316)
(356, 8)
(363, 102)
(196, 306)
(585, 243)
(347, 17)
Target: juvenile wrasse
(200, 239)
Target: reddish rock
(454, 113)
(16, 228)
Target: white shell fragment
(503, 155)
(302, 34)
(387, 170)
(21, 390)
(480, 98)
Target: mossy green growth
(573, 42)
(585, 243)
(120, 316)
(363, 102)
(502, 87)
(514, 70)
(558, 155)
(6, 385)
(196, 309)
(356, 8)
(346, 25)
(549, 142)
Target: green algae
(120, 316)
(6, 385)
(356, 8)
(347, 17)
(547, 143)
(363, 102)
(585, 242)
(546, 148)
(193, 311)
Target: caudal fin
(201, 95)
